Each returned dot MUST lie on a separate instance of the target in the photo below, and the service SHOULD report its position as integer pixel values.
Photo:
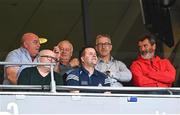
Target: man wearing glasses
(41, 74)
(114, 69)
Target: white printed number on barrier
(11, 106)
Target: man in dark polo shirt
(41, 74)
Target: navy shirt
(80, 77)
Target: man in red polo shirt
(150, 70)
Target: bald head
(28, 37)
(47, 56)
(46, 52)
(30, 41)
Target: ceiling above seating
(62, 19)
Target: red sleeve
(139, 78)
(165, 75)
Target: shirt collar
(24, 50)
(85, 71)
(27, 54)
(101, 60)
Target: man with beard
(150, 70)
(41, 74)
(87, 75)
(116, 70)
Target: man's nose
(94, 55)
(142, 48)
(103, 46)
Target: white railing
(53, 88)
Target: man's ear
(110, 47)
(25, 44)
(82, 59)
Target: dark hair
(150, 37)
(82, 51)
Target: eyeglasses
(50, 58)
(103, 44)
